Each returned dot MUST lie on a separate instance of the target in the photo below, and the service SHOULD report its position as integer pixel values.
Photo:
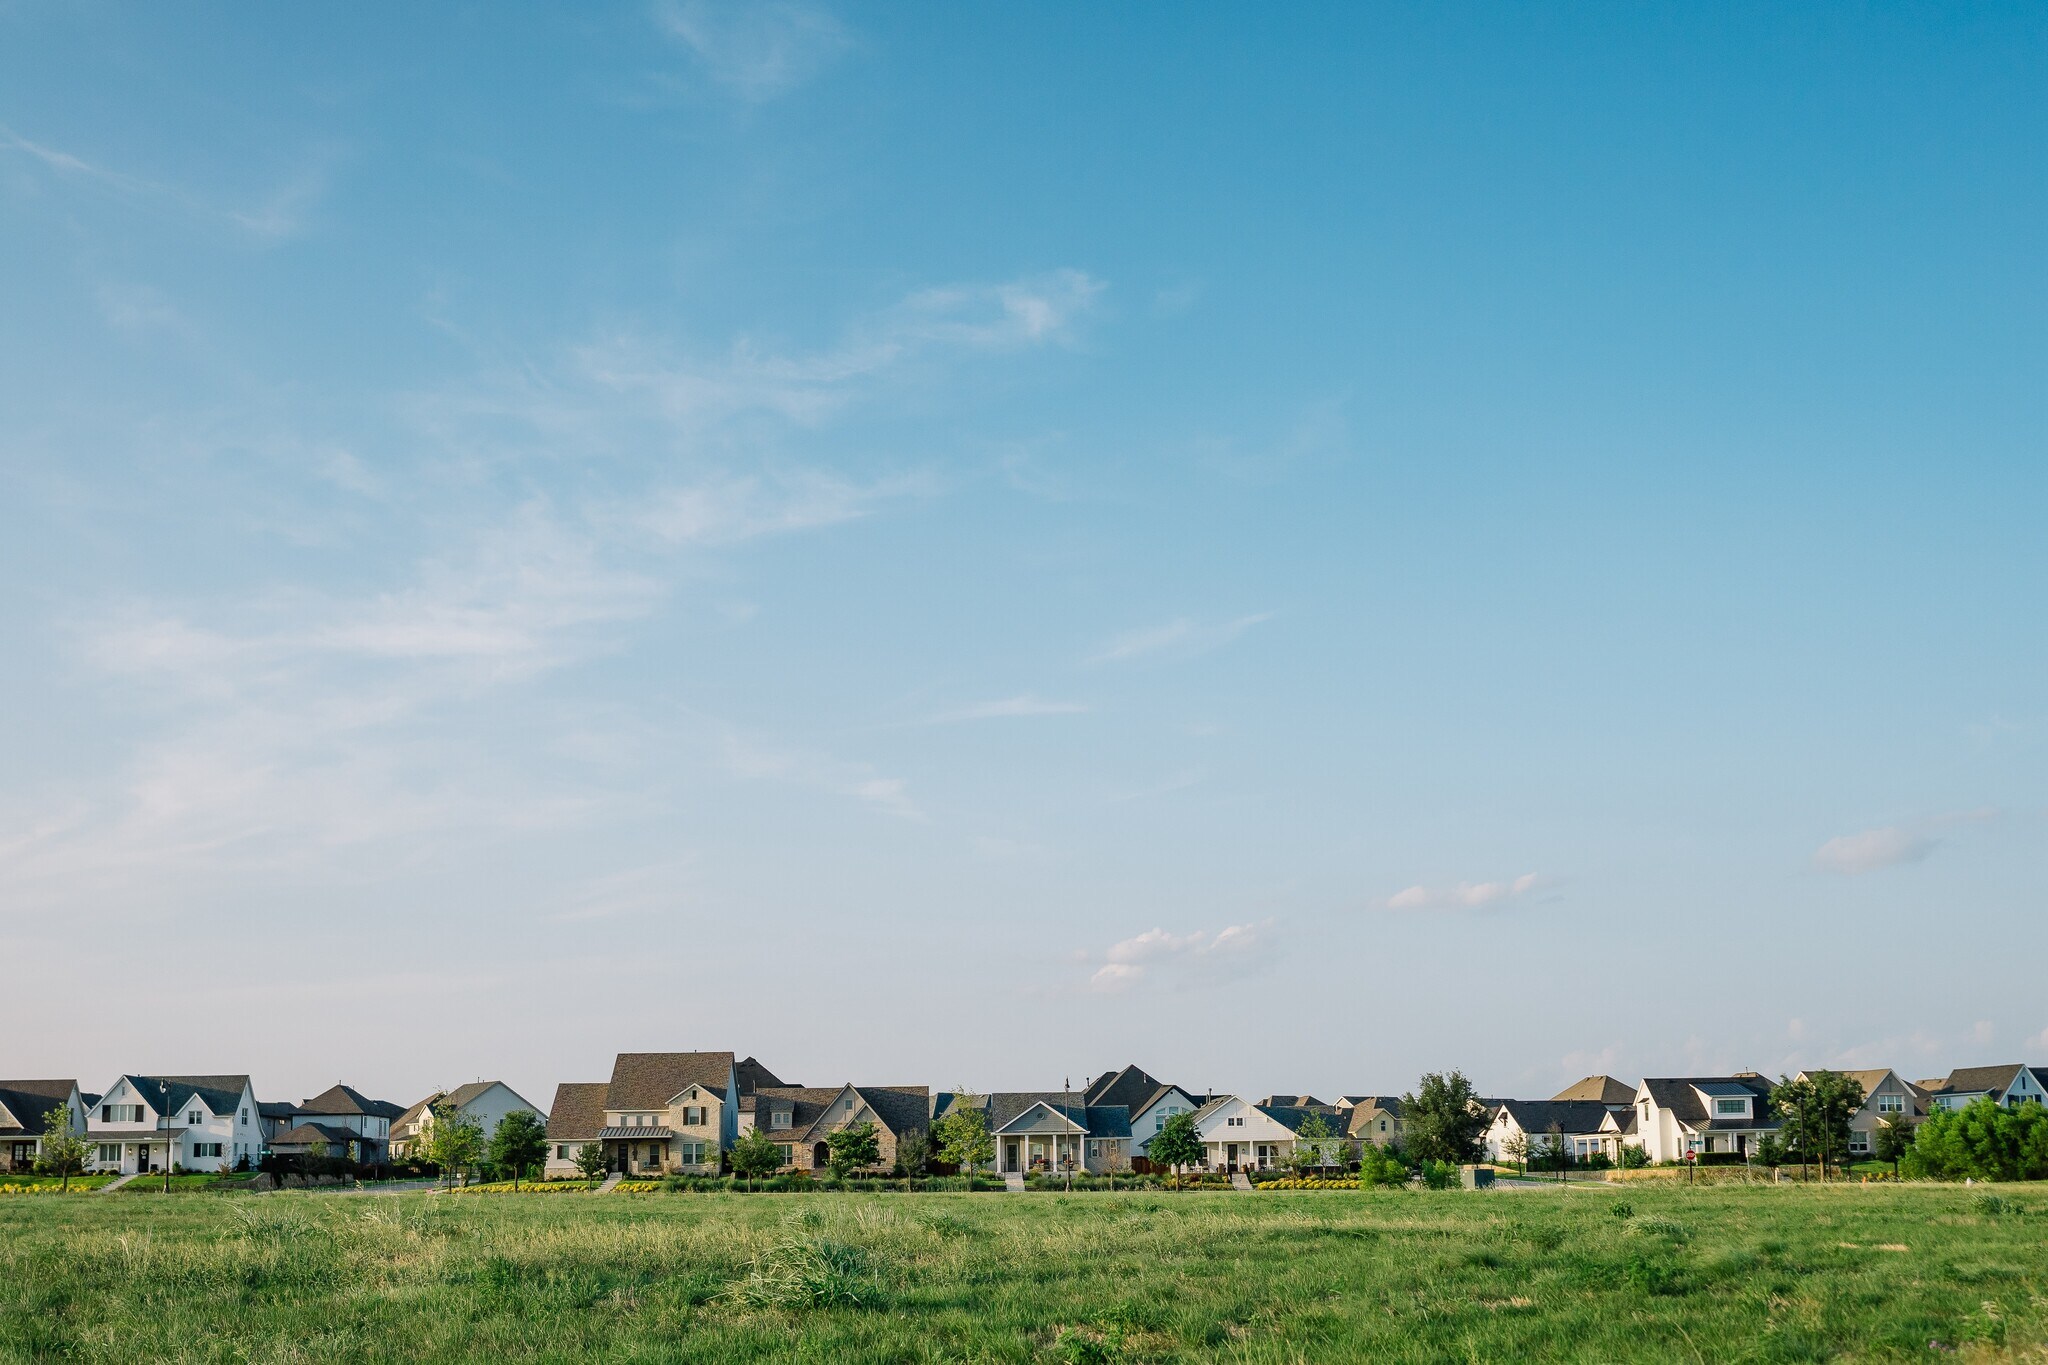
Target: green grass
(1716, 1274)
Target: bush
(1633, 1158)
(1439, 1175)
(809, 1272)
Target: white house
(1238, 1135)
(484, 1103)
(1580, 1128)
(2011, 1086)
(25, 1109)
(193, 1123)
(1703, 1114)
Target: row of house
(680, 1112)
(140, 1124)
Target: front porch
(1054, 1153)
(134, 1153)
(1232, 1157)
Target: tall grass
(1725, 1274)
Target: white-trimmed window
(110, 1151)
(779, 1118)
(211, 1149)
(690, 1153)
(693, 1115)
(1891, 1104)
(193, 1118)
(784, 1148)
(120, 1113)
(1725, 1108)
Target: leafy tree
(1892, 1140)
(520, 1141)
(1556, 1151)
(914, 1153)
(590, 1160)
(454, 1142)
(1816, 1109)
(1633, 1156)
(1769, 1151)
(1516, 1149)
(1315, 1143)
(1177, 1144)
(1983, 1141)
(963, 1135)
(1444, 1119)
(851, 1149)
(63, 1152)
(755, 1155)
(1380, 1166)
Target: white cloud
(1854, 854)
(756, 761)
(1023, 705)
(729, 509)
(1177, 637)
(1465, 895)
(1228, 951)
(758, 49)
(279, 214)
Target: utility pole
(1068, 1083)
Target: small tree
(755, 1155)
(1315, 1141)
(590, 1160)
(1516, 1149)
(1444, 1119)
(520, 1141)
(963, 1136)
(1556, 1150)
(914, 1154)
(1177, 1144)
(1817, 1108)
(1379, 1166)
(1632, 1157)
(851, 1149)
(1891, 1141)
(1769, 1151)
(63, 1153)
(454, 1142)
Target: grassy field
(1725, 1274)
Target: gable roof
(1678, 1095)
(1130, 1087)
(29, 1103)
(578, 1111)
(1005, 1107)
(417, 1111)
(1605, 1089)
(1971, 1080)
(1571, 1116)
(169, 1094)
(649, 1080)
(276, 1109)
(305, 1134)
(899, 1108)
(749, 1076)
(346, 1099)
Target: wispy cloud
(1466, 895)
(756, 50)
(1854, 854)
(1229, 951)
(1022, 706)
(1181, 636)
(279, 213)
(731, 508)
(761, 761)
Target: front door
(1230, 1156)
(1011, 1162)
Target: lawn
(1714, 1274)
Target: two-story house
(25, 1109)
(1372, 1118)
(1676, 1115)
(1238, 1135)
(670, 1111)
(193, 1123)
(340, 1121)
(484, 1103)
(2010, 1085)
(1887, 1098)
(801, 1118)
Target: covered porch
(135, 1153)
(636, 1151)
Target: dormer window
(778, 1118)
(1731, 1109)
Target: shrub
(1633, 1158)
(809, 1272)
(1621, 1208)
(1650, 1276)
(1439, 1175)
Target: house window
(693, 1115)
(245, 1116)
(206, 1149)
(690, 1153)
(110, 1151)
(1731, 1109)
(561, 1151)
(120, 1113)
(193, 1118)
(779, 1118)
(1891, 1104)
(783, 1148)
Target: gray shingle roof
(1099, 1121)
(1576, 1117)
(578, 1111)
(649, 1080)
(30, 1102)
(170, 1094)
(1129, 1087)
(1676, 1094)
(1292, 1116)
(750, 1076)
(1971, 1080)
(306, 1134)
(345, 1099)
(1605, 1089)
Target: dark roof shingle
(649, 1080)
(578, 1111)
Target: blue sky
(966, 546)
